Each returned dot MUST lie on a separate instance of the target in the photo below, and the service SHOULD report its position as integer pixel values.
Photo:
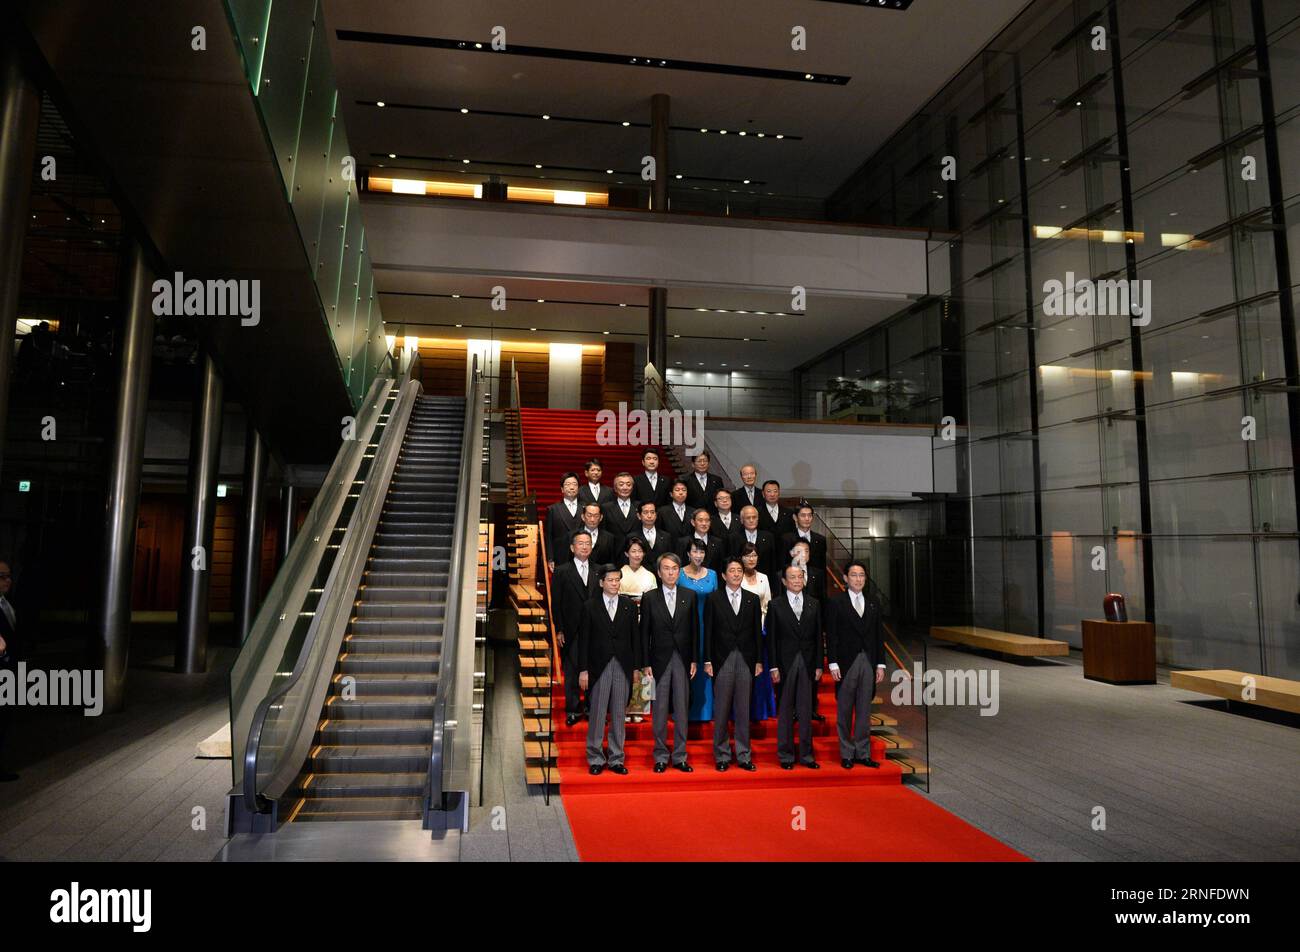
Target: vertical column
(126, 459)
(288, 518)
(659, 103)
(20, 106)
(657, 350)
(196, 558)
(249, 583)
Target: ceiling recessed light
(537, 166)
(606, 333)
(762, 134)
(392, 155)
(455, 295)
(704, 130)
(677, 335)
(626, 124)
(478, 46)
(460, 325)
(724, 365)
(745, 339)
(679, 175)
(807, 75)
(780, 136)
(544, 116)
(464, 111)
(381, 104)
(532, 328)
(746, 365)
(465, 161)
(609, 171)
(541, 300)
(746, 181)
(742, 132)
(701, 309)
(701, 363)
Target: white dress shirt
(582, 569)
(670, 599)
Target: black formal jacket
(607, 547)
(569, 595)
(614, 519)
(663, 543)
(661, 635)
(783, 524)
(740, 498)
(702, 498)
(725, 631)
(847, 634)
(728, 536)
(814, 584)
(560, 527)
(601, 639)
(713, 558)
(791, 637)
(661, 495)
(675, 527)
(767, 563)
(9, 657)
(585, 495)
(817, 548)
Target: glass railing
(282, 724)
(458, 708)
(281, 625)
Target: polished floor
(1178, 778)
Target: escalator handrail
(339, 592)
(468, 488)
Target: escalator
(356, 695)
(370, 755)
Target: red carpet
(857, 823)
(561, 441)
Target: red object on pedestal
(1113, 606)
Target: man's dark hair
(704, 453)
(684, 483)
(804, 505)
(726, 566)
(605, 569)
(669, 557)
(590, 463)
(861, 565)
(771, 482)
(654, 453)
(646, 502)
(579, 532)
(621, 475)
(568, 476)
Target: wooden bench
(1277, 693)
(1022, 646)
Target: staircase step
(383, 758)
(358, 808)
(402, 732)
(389, 685)
(389, 663)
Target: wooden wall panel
(619, 374)
(442, 366)
(533, 361)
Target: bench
(1277, 693)
(1022, 646)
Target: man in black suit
(702, 486)
(726, 522)
(814, 580)
(8, 658)
(675, 518)
(669, 631)
(621, 518)
(733, 632)
(715, 554)
(771, 516)
(855, 650)
(573, 583)
(763, 541)
(604, 547)
(563, 518)
(795, 629)
(610, 649)
(655, 540)
(593, 490)
(650, 486)
(747, 493)
(803, 530)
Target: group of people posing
(718, 595)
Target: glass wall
(1122, 180)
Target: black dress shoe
(787, 766)
(721, 766)
(684, 767)
(746, 765)
(868, 762)
(818, 716)
(846, 763)
(570, 720)
(660, 768)
(597, 769)
(618, 769)
(812, 765)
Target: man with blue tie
(669, 632)
(795, 629)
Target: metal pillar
(20, 108)
(659, 104)
(196, 557)
(249, 587)
(657, 351)
(126, 460)
(288, 518)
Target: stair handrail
(551, 660)
(448, 785)
(515, 405)
(315, 661)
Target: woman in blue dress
(762, 703)
(702, 581)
